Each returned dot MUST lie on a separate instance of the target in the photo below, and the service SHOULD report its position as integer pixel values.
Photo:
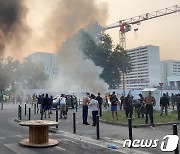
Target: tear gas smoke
(13, 28)
(66, 20)
(70, 16)
(79, 71)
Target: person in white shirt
(63, 111)
(94, 104)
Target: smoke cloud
(63, 28)
(13, 27)
(78, 71)
(68, 17)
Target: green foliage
(98, 47)
(32, 75)
(101, 51)
(14, 75)
(122, 119)
(8, 73)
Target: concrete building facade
(52, 69)
(170, 73)
(145, 67)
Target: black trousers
(149, 111)
(129, 111)
(85, 114)
(140, 111)
(100, 110)
(94, 114)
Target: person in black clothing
(51, 103)
(141, 106)
(47, 105)
(164, 103)
(178, 105)
(72, 102)
(128, 106)
(122, 102)
(100, 101)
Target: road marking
(3, 138)
(101, 143)
(59, 148)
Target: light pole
(123, 80)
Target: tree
(15, 75)
(32, 75)
(8, 73)
(114, 61)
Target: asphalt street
(84, 141)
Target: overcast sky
(163, 31)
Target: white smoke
(79, 73)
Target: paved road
(84, 141)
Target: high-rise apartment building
(52, 69)
(145, 67)
(170, 73)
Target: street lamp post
(123, 80)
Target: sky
(163, 31)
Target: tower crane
(125, 25)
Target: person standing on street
(149, 101)
(141, 106)
(164, 103)
(100, 102)
(86, 101)
(51, 103)
(173, 100)
(128, 106)
(63, 106)
(95, 105)
(178, 105)
(122, 102)
(47, 105)
(39, 99)
(114, 100)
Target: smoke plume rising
(66, 20)
(68, 17)
(78, 70)
(13, 27)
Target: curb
(140, 125)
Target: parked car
(56, 102)
(71, 101)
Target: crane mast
(125, 25)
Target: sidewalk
(108, 133)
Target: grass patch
(170, 118)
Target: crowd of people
(143, 106)
(45, 104)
